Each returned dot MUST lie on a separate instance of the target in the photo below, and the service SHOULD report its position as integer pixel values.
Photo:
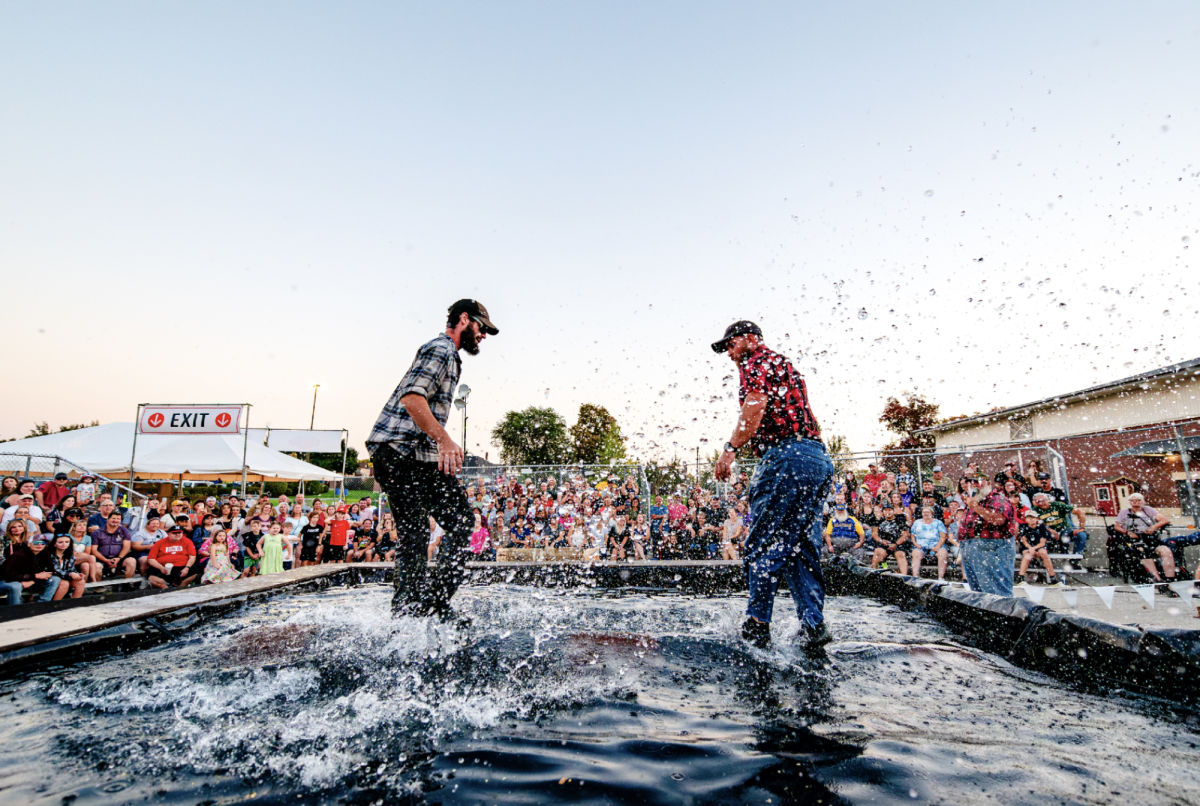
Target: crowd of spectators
(885, 517)
(606, 519)
(57, 536)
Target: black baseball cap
(61, 476)
(475, 310)
(175, 528)
(1043, 476)
(740, 328)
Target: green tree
(534, 436)
(838, 448)
(596, 436)
(665, 479)
(333, 461)
(43, 428)
(904, 418)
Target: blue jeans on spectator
(988, 564)
(1079, 539)
(50, 588)
(786, 494)
(12, 592)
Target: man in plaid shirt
(417, 463)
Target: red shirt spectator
(338, 531)
(874, 479)
(175, 552)
(50, 493)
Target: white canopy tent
(105, 449)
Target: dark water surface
(571, 697)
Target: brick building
(1102, 443)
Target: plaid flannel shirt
(433, 375)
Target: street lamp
(316, 386)
(460, 403)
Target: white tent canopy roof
(106, 449)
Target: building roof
(1103, 390)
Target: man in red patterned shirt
(788, 488)
(986, 536)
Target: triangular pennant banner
(1106, 594)
(1184, 589)
(1071, 597)
(1146, 592)
(1035, 593)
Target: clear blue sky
(226, 202)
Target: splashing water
(555, 695)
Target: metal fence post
(1187, 476)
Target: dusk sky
(229, 202)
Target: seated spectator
(928, 535)
(24, 571)
(144, 540)
(640, 534)
(171, 560)
(668, 547)
(51, 492)
(890, 539)
(60, 561)
(111, 546)
(843, 532)
(100, 519)
(32, 512)
(56, 516)
(363, 548)
(1033, 537)
(85, 491)
(1144, 525)
(619, 536)
(88, 565)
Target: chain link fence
(43, 467)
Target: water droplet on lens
(928, 193)
(933, 292)
(862, 313)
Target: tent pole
(345, 447)
(137, 421)
(245, 448)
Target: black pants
(417, 490)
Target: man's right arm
(450, 456)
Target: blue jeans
(988, 565)
(51, 588)
(786, 494)
(12, 592)
(1079, 540)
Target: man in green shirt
(1057, 518)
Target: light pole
(460, 403)
(316, 386)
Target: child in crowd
(270, 548)
(220, 566)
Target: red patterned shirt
(788, 414)
(975, 526)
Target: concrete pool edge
(1160, 661)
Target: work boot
(448, 615)
(818, 637)
(757, 633)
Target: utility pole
(316, 386)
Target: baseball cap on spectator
(742, 327)
(62, 476)
(175, 528)
(1043, 476)
(87, 477)
(476, 311)
(180, 504)
(937, 468)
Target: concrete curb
(1159, 661)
